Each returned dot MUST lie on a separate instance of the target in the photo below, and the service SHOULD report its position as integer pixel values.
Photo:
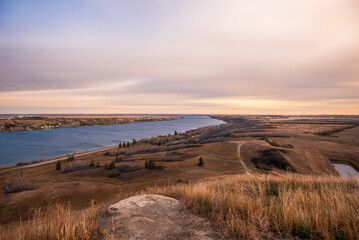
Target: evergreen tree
(176, 133)
(119, 145)
(200, 162)
(58, 165)
(97, 164)
(106, 166)
(128, 144)
(112, 165)
(124, 145)
(134, 141)
(146, 164)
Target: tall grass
(56, 222)
(255, 208)
(241, 206)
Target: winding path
(240, 159)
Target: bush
(58, 165)
(128, 168)
(151, 164)
(200, 162)
(92, 163)
(97, 164)
(134, 141)
(106, 167)
(75, 166)
(17, 185)
(70, 158)
(22, 163)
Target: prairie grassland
(62, 221)
(241, 206)
(250, 207)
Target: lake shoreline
(49, 122)
(34, 163)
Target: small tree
(176, 133)
(159, 143)
(146, 164)
(119, 145)
(134, 141)
(118, 159)
(128, 144)
(200, 162)
(124, 145)
(106, 166)
(151, 164)
(92, 163)
(98, 164)
(58, 165)
(112, 165)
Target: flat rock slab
(150, 217)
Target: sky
(179, 56)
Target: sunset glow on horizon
(173, 57)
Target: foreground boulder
(152, 216)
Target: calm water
(27, 146)
(345, 170)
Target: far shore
(14, 123)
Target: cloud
(182, 53)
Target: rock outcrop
(152, 216)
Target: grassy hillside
(240, 206)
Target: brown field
(289, 160)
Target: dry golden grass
(63, 222)
(56, 222)
(263, 207)
(241, 206)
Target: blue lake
(25, 146)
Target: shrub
(70, 158)
(134, 141)
(170, 157)
(118, 159)
(106, 166)
(146, 164)
(22, 163)
(200, 162)
(92, 163)
(58, 165)
(75, 166)
(17, 185)
(151, 164)
(97, 164)
(128, 168)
